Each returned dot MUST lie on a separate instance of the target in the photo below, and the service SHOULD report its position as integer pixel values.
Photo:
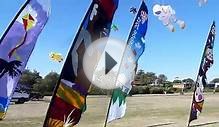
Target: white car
(19, 97)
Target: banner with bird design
(17, 44)
(69, 98)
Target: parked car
(20, 97)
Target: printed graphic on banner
(69, 100)
(136, 42)
(17, 44)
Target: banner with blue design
(136, 41)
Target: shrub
(217, 90)
(170, 90)
(47, 93)
(134, 90)
(98, 91)
(177, 90)
(140, 90)
(188, 89)
(206, 89)
(157, 90)
(146, 90)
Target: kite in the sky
(56, 57)
(202, 2)
(114, 27)
(133, 10)
(167, 15)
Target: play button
(107, 63)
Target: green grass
(27, 122)
(142, 111)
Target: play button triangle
(109, 63)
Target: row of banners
(69, 99)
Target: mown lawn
(142, 111)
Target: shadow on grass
(204, 124)
(161, 124)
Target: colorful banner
(136, 42)
(69, 99)
(201, 82)
(17, 44)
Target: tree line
(144, 83)
(32, 81)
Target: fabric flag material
(201, 82)
(126, 73)
(17, 44)
(69, 99)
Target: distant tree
(177, 81)
(140, 72)
(149, 78)
(188, 80)
(216, 80)
(162, 79)
(168, 84)
(46, 85)
(188, 83)
(142, 78)
(138, 78)
(50, 81)
(29, 78)
(39, 87)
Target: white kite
(202, 2)
(167, 15)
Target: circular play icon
(109, 63)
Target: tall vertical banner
(136, 42)
(69, 98)
(17, 44)
(206, 63)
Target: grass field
(142, 111)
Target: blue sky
(175, 54)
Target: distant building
(179, 85)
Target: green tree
(49, 81)
(216, 80)
(140, 72)
(29, 78)
(39, 87)
(149, 78)
(188, 80)
(162, 79)
(142, 78)
(177, 81)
